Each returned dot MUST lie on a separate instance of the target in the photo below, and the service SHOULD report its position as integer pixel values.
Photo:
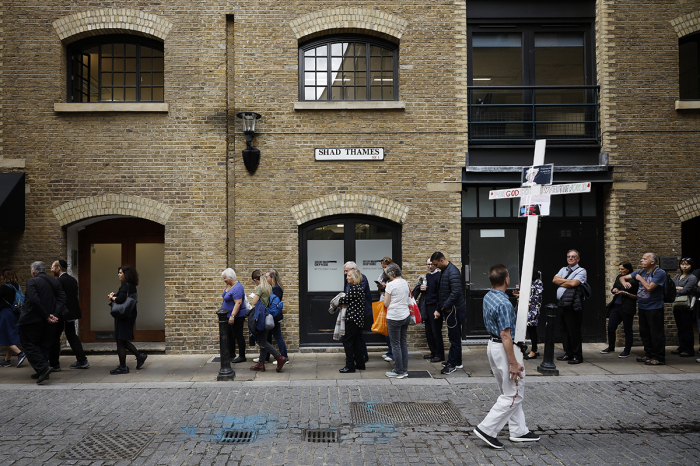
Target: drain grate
(109, 446)
(419, 375)
(238, 436)
(321, 435)
(406, 413)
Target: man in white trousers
(500, 317)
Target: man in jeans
(650, 300)
(453, 307)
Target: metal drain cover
(321, 435)
(109, 446)
(419, 375)
(406, 413)
(238, 436)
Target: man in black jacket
(44, 295)
(67, 323)
(453, 307)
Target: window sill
(155, 107)
(352, 105)
(687, 104)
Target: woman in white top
(397, 319)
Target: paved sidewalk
(324, 366)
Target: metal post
(225, 373)
(548, 367)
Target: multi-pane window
(348, 68)
(689, 67)
(116, 69)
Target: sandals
(533, 355)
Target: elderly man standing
(44, 295)
(650, 300)
(453, 307)
(499, 319)
(67, 322)
(568, 279)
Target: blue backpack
(275, 308)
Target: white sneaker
(387, 358)
(258, 360)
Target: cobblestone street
(621, 419)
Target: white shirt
(398, 307)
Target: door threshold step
(150, 347)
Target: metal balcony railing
(520, 114)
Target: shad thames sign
(353, 153)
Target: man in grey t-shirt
(569, 278)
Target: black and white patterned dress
(355, 300)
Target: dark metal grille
(238, 436)
(406, 413)
(109, 446)
(419, 375)
(322, 435)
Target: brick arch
(112, 204)
(687, 24)
(337, 204)
(111, 21)
(688, 209)
(361, 20)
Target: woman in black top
(124, 328)
(685, 286)
(623, 307)
(354, 299)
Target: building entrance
(103, 247)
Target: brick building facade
(93, 167)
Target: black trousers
(684, 323)
(617, 315)
(433, 332)
(651, 331)
(454, 333)
(36, 340)
(531, 332)
(571, 332)
(71, 337)
(354, 350)
(235, 336)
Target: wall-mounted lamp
(251, 155)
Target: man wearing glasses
(428, 290)
(568, 279)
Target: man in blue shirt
(499, 318)
(650, 300)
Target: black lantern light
(251, 155)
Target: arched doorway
(103, 247)
(325, 245)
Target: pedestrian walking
(354, 300)
(232, 301)
(622, 308)
(262, 294)
(398, 317)
(650, 300)
(9, 335)
(499, 319)
(426, 294)
(533, 312)
(569, 279)
(273, 278)
(66, 323)
(685, 283)
(453, 307)
(124, 327)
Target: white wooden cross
(531, 236)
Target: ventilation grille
(406, 413)
(109, 446)
(238, 436)
(322, 435)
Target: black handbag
(124, 310)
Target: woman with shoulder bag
(233, 297)
(124, 328)
(622, 308)
(354, 299)
(262, 294)
(398, 316)
(682, 312)
(273, 278)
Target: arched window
(689, 69)
(348, 68)
(115, 68)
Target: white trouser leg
(508, 407)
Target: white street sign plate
(570, 188)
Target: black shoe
(490, 441)
(80, 364)
(239, 359)
(120, 370)
(35, 375)
(675, 351)
(576, 361)
(683, 354)
(563, 358)
(624, 354)
(361, 368)
(56, 368)
(43, 375)
(366, 357)
(437, 359)
(139, 361)
(448, 369)
(346, 370)
(608, 350)
(429, 356)
(529, 437)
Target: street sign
(570, 188)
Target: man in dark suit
(67, 322)
(44, 295)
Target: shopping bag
(379, 325)
(413, 307)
